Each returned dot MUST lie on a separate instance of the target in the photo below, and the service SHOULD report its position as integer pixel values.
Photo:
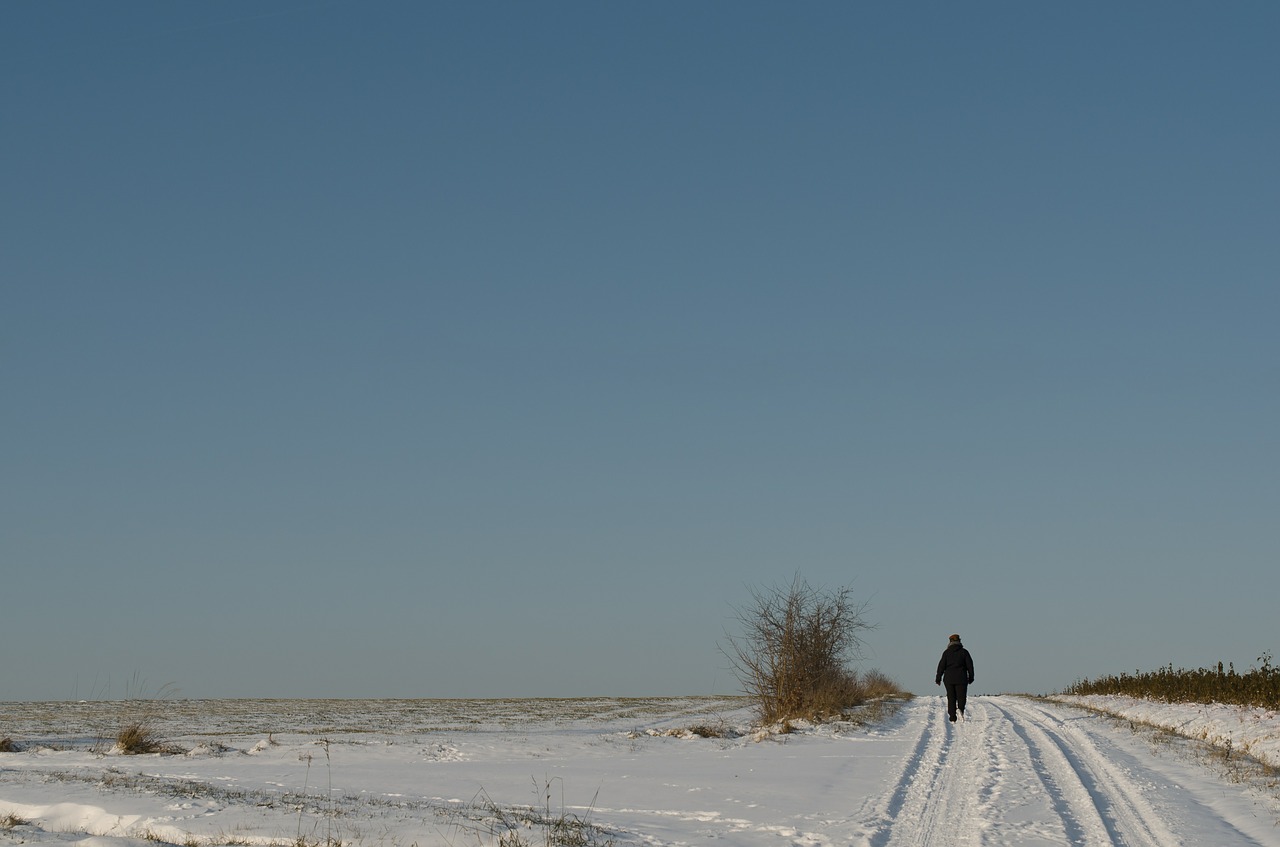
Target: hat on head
(955, 637)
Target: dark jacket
(956, 665)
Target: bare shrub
(7, 745)
(831, 695)
(792, 652)
(879, 684)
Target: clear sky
(497, 349)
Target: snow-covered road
(1023, 772)
(1016, 771)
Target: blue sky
(484, 349)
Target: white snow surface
(1254, 732)
(1014, 771)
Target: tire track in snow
(1023, 773)
(880, 811)
(939, 786)
(1097, 804)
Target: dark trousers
(956, 693)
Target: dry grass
(878, 684)
(137, 738)
(1259, 687)
(129, 725)
(11, 821)
(539, 825)
(703, 730)
(878, 710)
(698, 730)
(309, 841)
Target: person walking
(955, 668)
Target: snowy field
(1016, 771)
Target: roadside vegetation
(531, 826)
(1259, 686)
(793, 653)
